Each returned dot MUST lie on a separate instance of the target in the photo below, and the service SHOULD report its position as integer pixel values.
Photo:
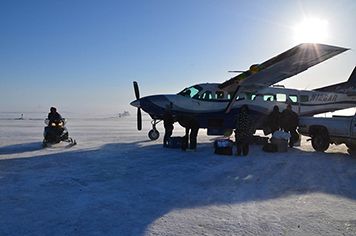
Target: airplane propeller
(139, 115)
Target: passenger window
(251, 96)
(280, 97)
(219, 95)
(304, 98)
(206, 96)
(229, 96)
(293, 98)
(268, 97)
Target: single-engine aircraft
(215, 105)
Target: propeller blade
(139, 115)
(137, 91)
(139, 119)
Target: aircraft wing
(283, 66)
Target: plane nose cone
(136, 103)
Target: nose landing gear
(154, 134)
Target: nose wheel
(154, 134)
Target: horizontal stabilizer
(348, 87)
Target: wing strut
(232, 101)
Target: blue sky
(82, 56)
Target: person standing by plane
(168, 122)
(191, 132)
(289, 123)
(273, 120)
(243, 131)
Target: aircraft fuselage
(206, 103)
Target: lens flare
(311, 30)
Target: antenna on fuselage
(236, 71)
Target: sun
(311, 30)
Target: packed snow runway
(116, 182)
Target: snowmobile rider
(289, 123)
(55, 131)
(54, 116)
(168, 122)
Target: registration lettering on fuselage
(323, 98)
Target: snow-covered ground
(116, 182)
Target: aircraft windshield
(191, 91)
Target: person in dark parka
(54, 116)
(168, 122)
(243, 131)
(191, 132)
(273, 120)
(289, 123)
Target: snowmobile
(55, 132)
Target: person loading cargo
(243, 131)
(189, 142)
(289, 123)
(273, 121)
(168, 122)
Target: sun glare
(311, 30)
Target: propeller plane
(215, 106)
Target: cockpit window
(191, 91)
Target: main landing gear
(154, 134)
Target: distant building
(123, 114)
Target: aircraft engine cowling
(254, 68)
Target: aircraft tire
(320, 142)
(153, 134)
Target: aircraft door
(353, 127)
(298, 101)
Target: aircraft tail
(352, 78)
(348, 87)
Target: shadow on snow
(120, 189)
(21, 148)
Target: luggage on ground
(223, 146)
(282, 144)
(175, 142)
(270, 147)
